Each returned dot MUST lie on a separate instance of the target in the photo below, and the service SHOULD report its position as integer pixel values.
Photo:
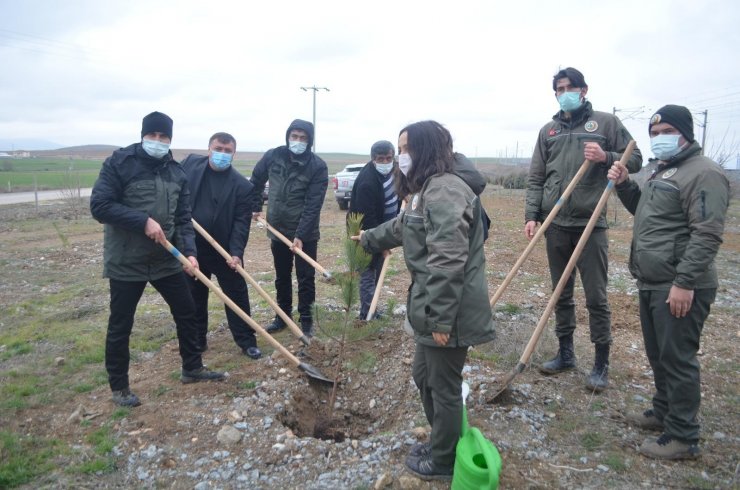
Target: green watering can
(477, 461)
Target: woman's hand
(441, 338)
(357, 238)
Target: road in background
(21, 197)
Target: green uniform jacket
(131, 188)
(557, 157)
(442, 237)
(679, 220)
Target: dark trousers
(124, 296)
(234, 286)
(437, 372)
(593, 265)
(368, 281)
(305, 273)
(671, 345)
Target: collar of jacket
(140, 153)
(683, 155)
(576, 117)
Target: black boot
(307, 326)
(599, 377)
(276, 325)
(564, 360)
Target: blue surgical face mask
(297, 147)
(155, 149)
(665, 146)
(384, 168)
(404, 163)
(220, 160)
(569, 101)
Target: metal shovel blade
(518, 369)
(314, 373)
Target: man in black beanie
(677, 232)
(143, 199)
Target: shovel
(289, 321)
(551, 216)
(310, 371)
(296, 251)
(563, 279)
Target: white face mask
(665, 146)
(155, 149)
(404, 163)
(384, 168)
(297, 147)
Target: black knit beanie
(156, 122)
(677, 116)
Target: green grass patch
(509, 308)
(615, 462)
(120, 413)
(247, 385)
(15, 348)
(161, 390)
(485, 356)
(102, 440)
(24, 458)
(591, 440)
(93, 467)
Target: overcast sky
(86, 72)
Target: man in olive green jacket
(677, 231)
(576, 132)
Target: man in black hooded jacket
(298, 182)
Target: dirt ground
(551, 432)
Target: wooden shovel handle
(551, 216)
(287, 319)
(572, 263)
(256, 326)
(296, 251)
(381, 278)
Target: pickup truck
(343, 182)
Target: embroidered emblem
(655, 119)
(553, 132)
(669, 173)
(415, 202)
(591, 126)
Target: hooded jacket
(132, 187)
(557, 157)
(679, 221)
(442, 236)
(298, 186)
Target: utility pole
(704, 130)
(315, 89)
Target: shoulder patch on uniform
(591, 126)
(415, 202)
(553, 131)
(655, 119)
(669, 173)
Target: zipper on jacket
(703, 204)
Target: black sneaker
(124, 398)
(421, 450)
(253, 352)
(277, 325)
(201, 374)
(425, 469)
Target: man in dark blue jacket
(298, 181)
(374, 196)
(221, 200)
(142, 197)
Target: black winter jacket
(298, 186)
(132, 187)
(368, 196)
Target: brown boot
(645, 420)
(666, 447)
